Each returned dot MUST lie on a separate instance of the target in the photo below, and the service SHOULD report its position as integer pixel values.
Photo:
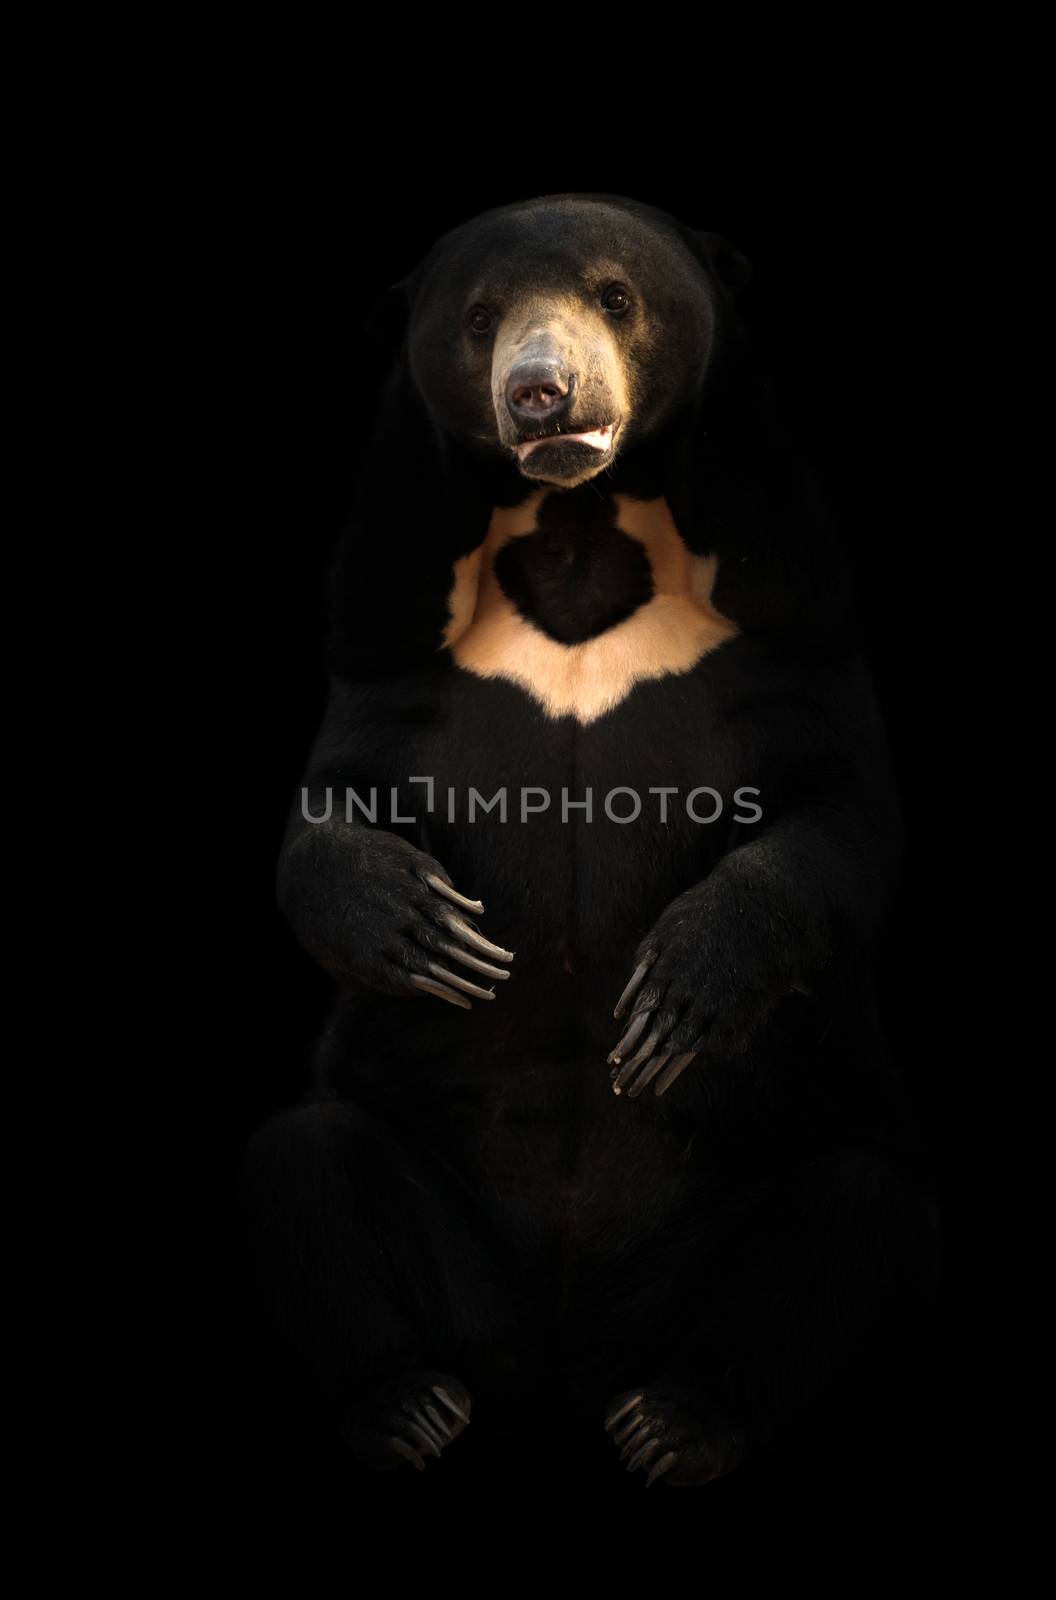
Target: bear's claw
(474, 961)
(621, 1077)
(635, 1064)
(638, 1442)
(452, 894)
(466, 947)
(628, 994)
(614, 1416)
(475, 940)
(443, 1395)
(430, 986)
(671, 1429)
(399, 1422)
(460, 983)
(663, 1465)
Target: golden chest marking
(488, 636)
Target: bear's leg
(814, 1295)
(375, 1274)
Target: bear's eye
(479, 319)
(616, 300)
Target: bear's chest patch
(576, 613)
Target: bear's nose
(538, 391)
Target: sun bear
(595, 839)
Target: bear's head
(561, 332)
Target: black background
(295, 259)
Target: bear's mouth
(599, 439)
(567, 455)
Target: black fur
(463, 1194)
(578, 575)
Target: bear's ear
(722, 258)
(387, 319)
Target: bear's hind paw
(673, 1433)
(408, 1418)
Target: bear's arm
(367, 905)
(794, 903)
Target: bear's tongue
(598, 439)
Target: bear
(596, 839)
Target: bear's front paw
(673, 1433)
(702, 982)
(406, 930)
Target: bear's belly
(556, 1161)
(575, 837)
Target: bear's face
(563, 330)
